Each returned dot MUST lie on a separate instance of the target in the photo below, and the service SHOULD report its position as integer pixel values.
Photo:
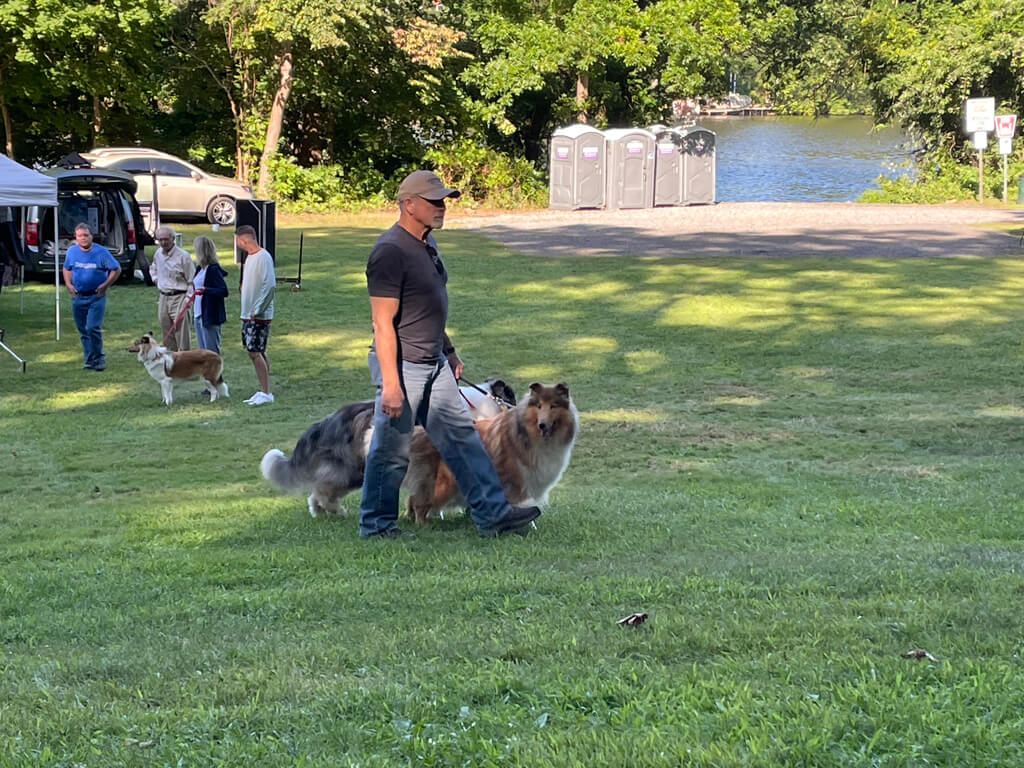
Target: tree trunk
(8, 128)
(284, 90)
(97, 119)
(582, 94)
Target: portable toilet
(699, 165)
(669, 165)
(630, 168)
(577, 168)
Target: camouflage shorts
(255, 335)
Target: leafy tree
(949, 52)
(65, 65)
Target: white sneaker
(260, 398)
(254, 396)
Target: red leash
(177, 322)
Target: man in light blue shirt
(89, 269)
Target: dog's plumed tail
(279, 470)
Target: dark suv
(103, 199)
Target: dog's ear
(562, 389)
(536, 387)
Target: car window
(132, 165)
(170, 168)
(102, 210)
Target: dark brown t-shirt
(410, 270)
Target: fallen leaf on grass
(918, 653)
(633, 619)
(139, 744)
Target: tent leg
(56, 263)
(10, 351)
(21, 268)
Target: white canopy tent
(22, 187)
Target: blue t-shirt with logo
(89, 269)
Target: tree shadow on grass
(593, 240)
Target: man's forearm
(386, 343)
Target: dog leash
(501, 402)
(177, 322)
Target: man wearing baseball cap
(415, 367)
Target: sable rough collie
(166, 366)
(529, 444)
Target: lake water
(802, 158)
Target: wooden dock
(756, 110)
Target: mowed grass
(799, 469)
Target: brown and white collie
(530, 445)
(167, 367)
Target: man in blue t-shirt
(89, 269)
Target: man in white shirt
(258, 285)
(172, 271)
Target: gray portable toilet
(630, 168)
(577, 168)
(669, 167)
(699, 165)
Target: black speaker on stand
(261, 215)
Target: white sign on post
(1005, 126)
(980, 140)
(979, 115)
(1005, 145)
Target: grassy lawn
(800, 470)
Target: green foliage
(942, 180)
(488, 177)
(380, 85)
(946, 54)
(324, 188)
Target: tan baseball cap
(426, 184)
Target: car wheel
(128, 271)
(221, 210)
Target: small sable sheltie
(530, 445)
(167, 367)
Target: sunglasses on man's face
(435, 203)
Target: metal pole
(56, 259)
(156, 205)
(24, 218)
(1004, 178)
(981, 191)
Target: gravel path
(758, 229)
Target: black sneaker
(516, 520)
(391, 533)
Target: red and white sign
(1005, 125)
